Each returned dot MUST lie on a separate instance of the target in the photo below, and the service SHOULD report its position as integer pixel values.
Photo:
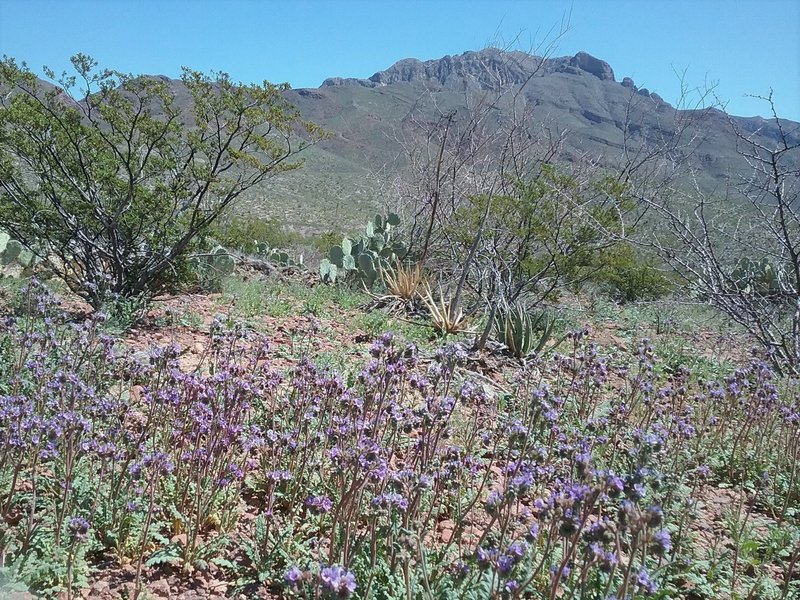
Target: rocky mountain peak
(488, 68)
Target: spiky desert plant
(445, 319)
(403, 281)
(522, 330)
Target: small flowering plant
(586, 480)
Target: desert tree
(739, 249)
(111, 178)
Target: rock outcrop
(599, 68)
(488, 68)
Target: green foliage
(123, 313)
(677, 354)
(348, 299)
(261, 238)
(247, 233)
(252, 297)
(373, 323)
(10, 583)
(524, 331)
(542, 233)
(325, 241)
(626, 275)
(363, 258)
(102, 174)
(261, 552)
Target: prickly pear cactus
(277, 257)
(12, 252)
(327, 271)
(362, 258)
(760, 277)
(214, 264)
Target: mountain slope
(578, 95)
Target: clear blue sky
(747, 46)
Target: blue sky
(745, 46)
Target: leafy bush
(626, 275)
(108, 184)
(539, 234)
(327, 240)
(245, 234)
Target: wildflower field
(251, 473)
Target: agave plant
(446, 319)
(403, 281)
(522, 331)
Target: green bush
(626, 275)
(106, 182)
(325, 241)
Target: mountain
(579, 94)
(373, 122)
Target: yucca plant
(523, 331)
(403, 281)
(446, 317)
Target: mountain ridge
(490, 66)
(577, 94)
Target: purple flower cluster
(338, 581)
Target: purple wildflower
(645, 583)
(391, 500)
(338, 581)
(78, 528)
(662, 542)
(319, 504)
(293, 577)
(505, 563)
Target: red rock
(446, 529)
